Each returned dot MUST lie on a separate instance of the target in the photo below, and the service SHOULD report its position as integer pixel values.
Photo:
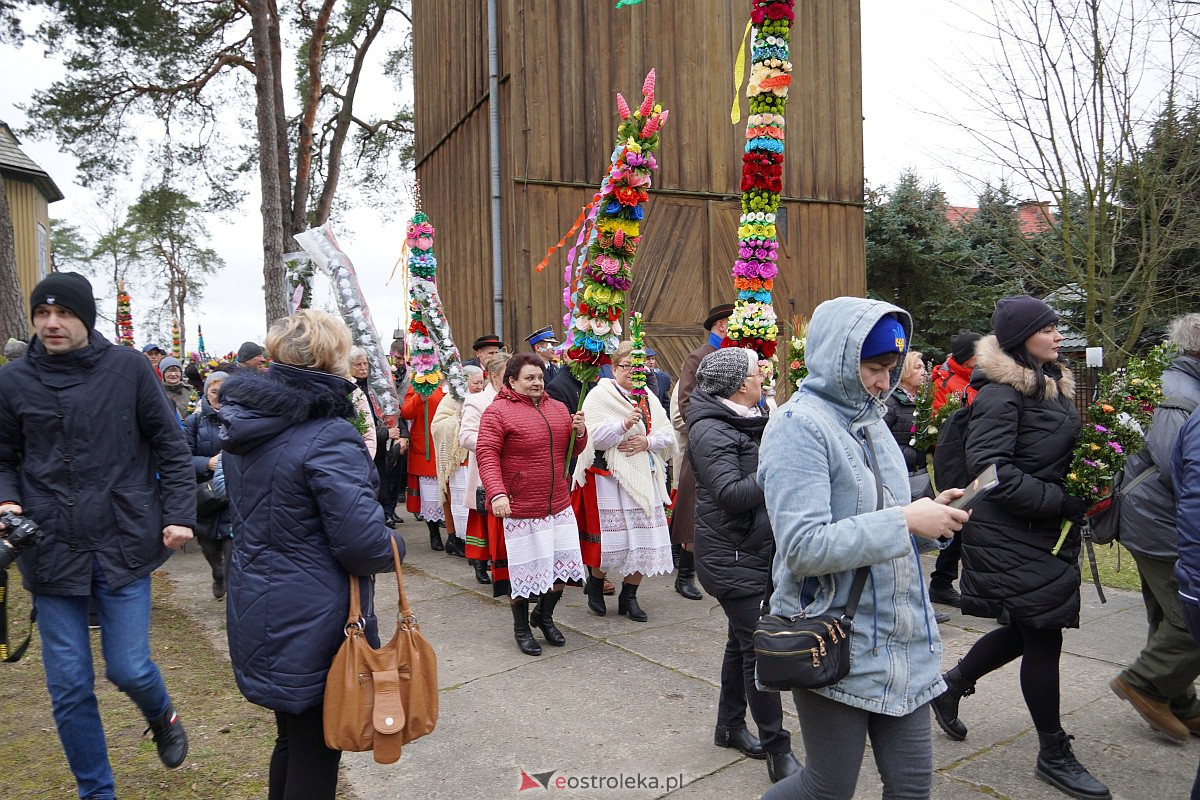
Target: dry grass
(230, 739)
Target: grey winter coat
(1148, 510)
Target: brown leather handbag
(381, 699)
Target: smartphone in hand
(983, 483)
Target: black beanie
(1018, 317)
(249, 350)
(69, 290)
(962, 345)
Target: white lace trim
(542, 552)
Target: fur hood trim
(999, 367)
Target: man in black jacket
(92, 452)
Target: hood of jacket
(833, 353)
(256, 407)
(994, 365)
(705, 406)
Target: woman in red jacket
(522, 454)
(423, 496)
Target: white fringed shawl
(608, 403)
(444, 430)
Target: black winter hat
(69, 290)
(1018, 317)
(249, 350)
(962, 345)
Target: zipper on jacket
(549, 429)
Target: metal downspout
(494, 159)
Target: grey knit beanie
(723, 372)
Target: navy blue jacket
(302, 497)
(91, 449)
(203, 432)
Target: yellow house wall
(29, 210)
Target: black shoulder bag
(802, 652)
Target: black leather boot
(481, 571)
(455, 546)
(685, 574)
(543, 617)
(435, 536)
(1057, 766)
(169, 737)
(781, 765)
(594, 589)
(521, 632)
(627, 603)
(741, 740)
(945, 705)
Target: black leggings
(1039, 651)
(302, 767)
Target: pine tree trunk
(265, 26)
(13, 321)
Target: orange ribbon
(563, 241)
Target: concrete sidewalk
(634, 704)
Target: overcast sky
(908, 50)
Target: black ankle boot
(1057, 766)
(945, 705)
(627, 603)
(435, 536)
(543, 617)
(521, 632)
(455, 546)
(481, 572)
(169, 738)
(741, 740)
(781, 765)
(685, 574)
(594, 588)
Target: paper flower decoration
(597, 294)
(124, 316)
(432, 353)
(753, 323)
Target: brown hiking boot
(1192, 724)
(1155, 712)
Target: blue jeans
(124, 616)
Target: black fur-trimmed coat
(302, 499)
(1030, 436)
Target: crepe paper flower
(604, 273)
(432, 354)
(752, 323)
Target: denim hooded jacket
(821, 496)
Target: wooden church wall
(561, 63)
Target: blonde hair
(311, 339)
(495, 364)
(911, 361)
(624, 349)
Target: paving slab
(624, 700)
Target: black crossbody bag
(801, 652)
